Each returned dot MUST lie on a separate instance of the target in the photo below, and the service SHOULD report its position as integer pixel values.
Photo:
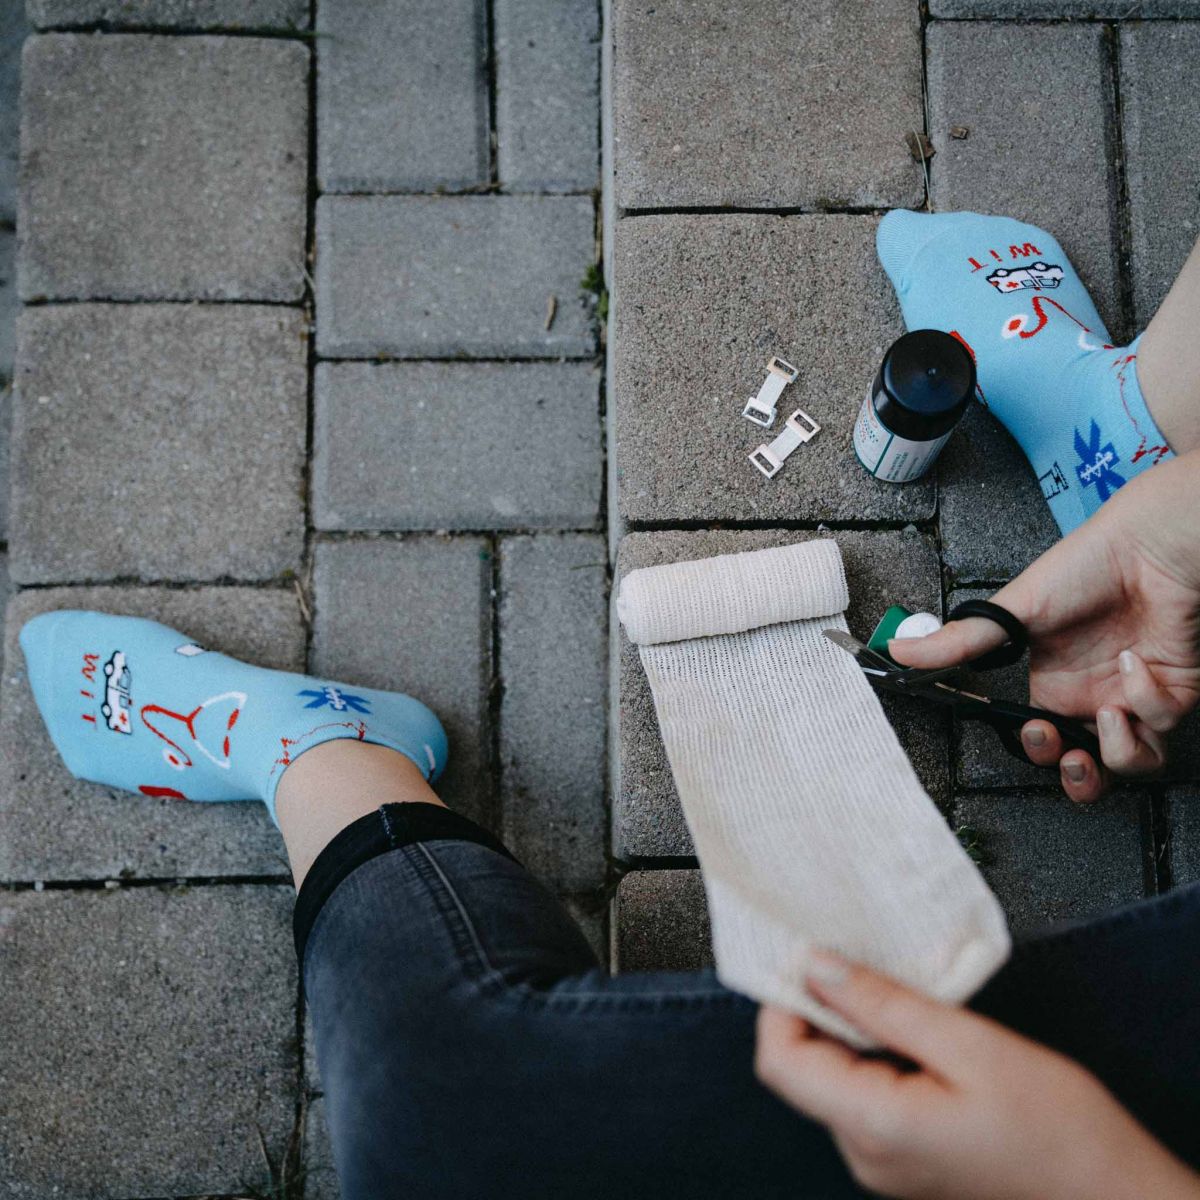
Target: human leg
(1168, 362)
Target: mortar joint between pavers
(897, 525)
(717, 210)
(1123, 224)
(134, 882)
(305, 592)
(308, 36)
(489, 9)
(495, 691)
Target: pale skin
(986, 1114)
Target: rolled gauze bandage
(732, 593)
(811, 827)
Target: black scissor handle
(1008, 718)
(1002, 656)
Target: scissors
(1005, 716)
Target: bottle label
(885, 454)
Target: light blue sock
(135, 705)
(1043, 358)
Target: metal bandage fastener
(761, 408)
(797, 429)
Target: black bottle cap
(924, 385)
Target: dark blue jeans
(470, 1045)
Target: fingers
(1146, 697)
(940, 1037)
(1128, 749)
(1082, 779)
(957, 642)
(1042, 742)
(822, 1078)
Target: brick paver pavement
(391, 291)
(200, 256)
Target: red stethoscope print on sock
(1018, 325)
(209, 723)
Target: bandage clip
(797, 429)
(761, 408)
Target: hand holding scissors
(1113, 618)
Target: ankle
(332, 785)
(1170, 389)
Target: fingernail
(1125, 662)
(1108, 722)
(826, 969)
(1075, 772)
(1035, 737)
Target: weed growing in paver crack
(593, 283)
(286, 1179)
(971, 841)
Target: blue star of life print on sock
(336, 699)
(133, 704)
(1097, 464)
(1045, 364)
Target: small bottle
(922, 388)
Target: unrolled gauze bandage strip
(811, 827)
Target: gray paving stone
(701, 304)
(146, 1035)
(1183, 761)
(553, 613)
(1183, 807)
(1160, 94)
(453, 276)
(548, 94)
(814, 103)
(9, 307)
(163, 168)
(320, 1178)
(415, 616)
(1121, 9)
(883, 568)
(1039, 154)
(994, 520)
(457, 446)
(13, 29)
(661, 920)
(57, 827)
(421, 123)
(170, 14)
(160, 441)
(1049, 860)
(9, 304)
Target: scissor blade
(867, 658)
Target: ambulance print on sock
(117, 699)
(1037, 275)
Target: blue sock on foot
(1044, 361)
(135, 705)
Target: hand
(985, 1115)
(1113, 613)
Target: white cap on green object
(918, 625)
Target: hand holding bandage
(811, 827)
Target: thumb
(954, 643)
(943, 1037)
